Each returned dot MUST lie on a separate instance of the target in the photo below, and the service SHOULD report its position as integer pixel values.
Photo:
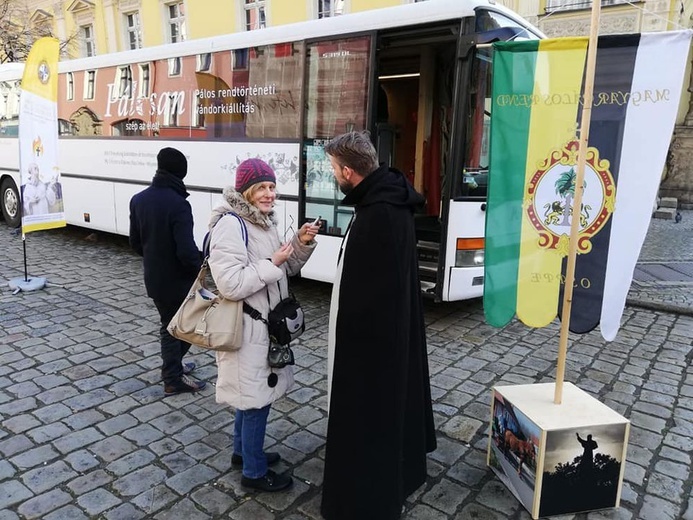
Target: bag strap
(208, 237)
(253, 312)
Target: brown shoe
(184, 385)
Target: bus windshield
(473, 179)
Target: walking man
(161, 231)
(380, 424)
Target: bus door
(413, 115)
(337, 100)
(461, 265)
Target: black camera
(280, 356)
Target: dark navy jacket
(161, 230)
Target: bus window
(337, 99)
(473, 180)
(487, 21)
(9, 108)
(240, 93)
(255, 93)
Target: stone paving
(85, 431)
(669, 243)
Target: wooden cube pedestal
(557, 458)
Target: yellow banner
(41, 69)
(41, 189)
(559, 67)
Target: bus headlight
(470, 252)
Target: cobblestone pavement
(85, 431)
(672, 243)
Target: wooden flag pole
(577, 201)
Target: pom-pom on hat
(253, 171)
(172, 161)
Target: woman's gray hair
(355, 150)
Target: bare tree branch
(18, 32)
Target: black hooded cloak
(380, 423)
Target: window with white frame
(88, 45)
(175, 66)
(125, 82)
(176, 22)
(328, 8)
(133, 30)
(198, 114)
(255, 14)
(144, 80)
(90, 84)
(173, 110)
(571, 5)
(70, 80)
(66, 127)
(204, 62)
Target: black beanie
(172, 161)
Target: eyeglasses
(290, 228)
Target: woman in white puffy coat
(257, 274)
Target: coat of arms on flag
(549, 196)
(538, 89)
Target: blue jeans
(249, 438)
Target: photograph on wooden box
(582, 469)
(513, 450)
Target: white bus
(416, 76)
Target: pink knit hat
(253, 171)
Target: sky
(563, 446)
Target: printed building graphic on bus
(242, 93)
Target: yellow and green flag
(41, 189)
(538, 93)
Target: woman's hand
(308, 231)
(282, 254)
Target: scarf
(164, 179)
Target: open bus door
(432, 122)
(424, 93)
(414, 111)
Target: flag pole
(577, 201)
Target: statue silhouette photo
(581, 474)
(587, 460)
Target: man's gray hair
(355, 150)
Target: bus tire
(10, 202)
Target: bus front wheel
(10, 202)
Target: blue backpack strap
(208, 237)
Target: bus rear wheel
(10, 202)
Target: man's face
(345, 185)
(33, 175)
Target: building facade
(572, 18)
(106, 26)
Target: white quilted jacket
(246, 273)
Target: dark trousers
(172, 349)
